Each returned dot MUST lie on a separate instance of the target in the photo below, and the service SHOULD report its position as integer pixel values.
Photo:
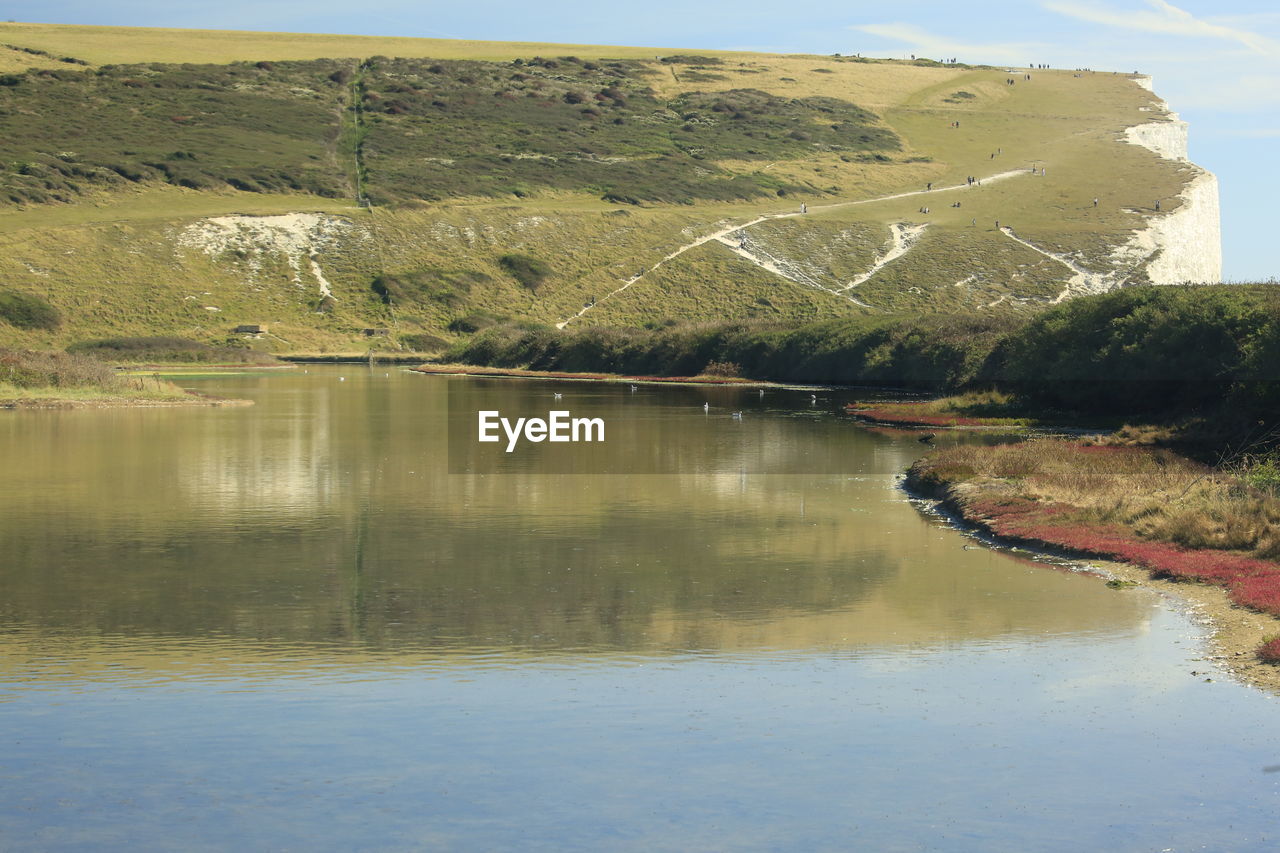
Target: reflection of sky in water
(287, 626)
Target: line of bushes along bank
(1136, 350)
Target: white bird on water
(706, 407)
(761, 392)
(633, 389)
(558, 395)
(737, 416)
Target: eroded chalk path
(772, 264)
(1082, 281)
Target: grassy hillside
(127, 157)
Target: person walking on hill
(1095, 202)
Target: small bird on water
(706, 407)
(926, 438)
(558, 395)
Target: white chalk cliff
(1184, 245)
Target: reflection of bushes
(28, 311)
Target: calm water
(289, 627)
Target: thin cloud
(1164, 19)
(923, 43)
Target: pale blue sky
(1217, 62)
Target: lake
(291, 627)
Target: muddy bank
(119, 402)
(356, 358)
(521, 373)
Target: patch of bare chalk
(293, 236)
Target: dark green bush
(424, 342)
(169, 349)
(475, 321)
(1145, 349)
(1148, 350)
(28, 311)
(527, 270)
(445, 287)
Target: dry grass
(1156, 493)
(123, 45)
(972, 409)
(26, 375)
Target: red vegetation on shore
(1251, 582)
(1173, 516)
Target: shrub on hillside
(1143, 349)
(475, 321)
(54, 370)
(1135, 351)
(430, 284)
(28, 311)
(424, 342)
(525, 269)
(163, 348)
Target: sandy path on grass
(772, 266)
(1081, 282)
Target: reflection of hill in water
(323, 521)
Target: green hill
(187, 182)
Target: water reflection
(288, 627)
(322, 525)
